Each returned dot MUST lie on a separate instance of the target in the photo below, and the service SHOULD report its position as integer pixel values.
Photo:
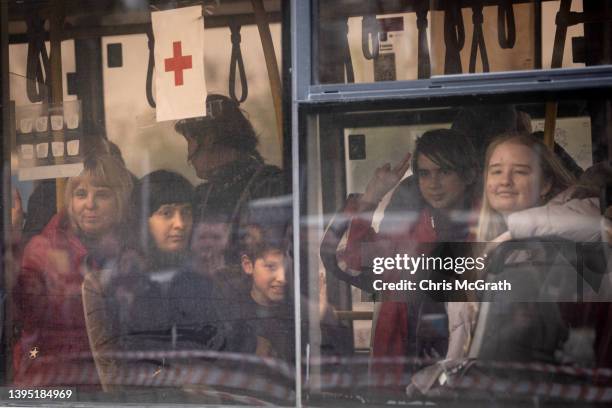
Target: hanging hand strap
(348, 61)
(478, 40)
(236, 60)
(562, 22)
(454, 37)
(38, 68)
(150, 67)
(369, 29)
(424, 65)
(506, 29)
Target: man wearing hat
(222, 147)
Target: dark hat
(225, 121)
(159, 188)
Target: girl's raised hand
(385, 179)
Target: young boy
(261, 302)
(255, 287)
(268, 308)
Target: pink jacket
(48, 304)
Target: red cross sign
(177, 63)
(180, 80)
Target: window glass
(463, 256)
(149, 261)
(386, 41)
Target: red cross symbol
(178, 63)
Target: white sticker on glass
(25, 125)
(73, 147)
(42, 150)
(42, 123)
(57, 122)
(57, 148)
(72, 121)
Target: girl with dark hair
(151, 299)
(163, 211)
(446, 171)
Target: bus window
(457, 244)
(442, 236)
(148, 261)
(397, 41)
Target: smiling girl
(528, 193)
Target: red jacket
(406, 239)
(48, 304)
(410, 236)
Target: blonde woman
(47, 294)
(529, 194)
(526, 192)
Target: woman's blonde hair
(104, 170)
(491, 223)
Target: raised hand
(385, 179)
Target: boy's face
(442, 189)
(269, 277)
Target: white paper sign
(179, 63)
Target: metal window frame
(488, 84)
(308, 98)
(303, 17)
